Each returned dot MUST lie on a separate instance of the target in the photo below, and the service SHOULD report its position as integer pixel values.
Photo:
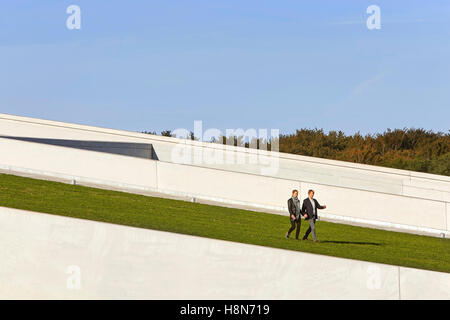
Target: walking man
(294, 214)
(309, 209)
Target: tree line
(409, 149)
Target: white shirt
(313, 203)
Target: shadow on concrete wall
(137, 150)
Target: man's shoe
(316, 241)
(304, 238)
(287, 236)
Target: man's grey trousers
(312, 228)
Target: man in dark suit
(294, 214)
(309, 210)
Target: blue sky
(155, 65)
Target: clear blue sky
(155, 65)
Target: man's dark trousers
(295, 223)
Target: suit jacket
(308, 208)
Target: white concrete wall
(379, 196)
(77, 164)
(43, 255)
(308, 169)
(416, 284)
(381, 207)
(224, 186)
(447, 207)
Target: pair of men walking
(309, 212)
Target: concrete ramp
(52, 257)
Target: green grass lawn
(223, 223)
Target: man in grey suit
(309, 210)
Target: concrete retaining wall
(54, 257)
(372, 195)
(70, 163)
